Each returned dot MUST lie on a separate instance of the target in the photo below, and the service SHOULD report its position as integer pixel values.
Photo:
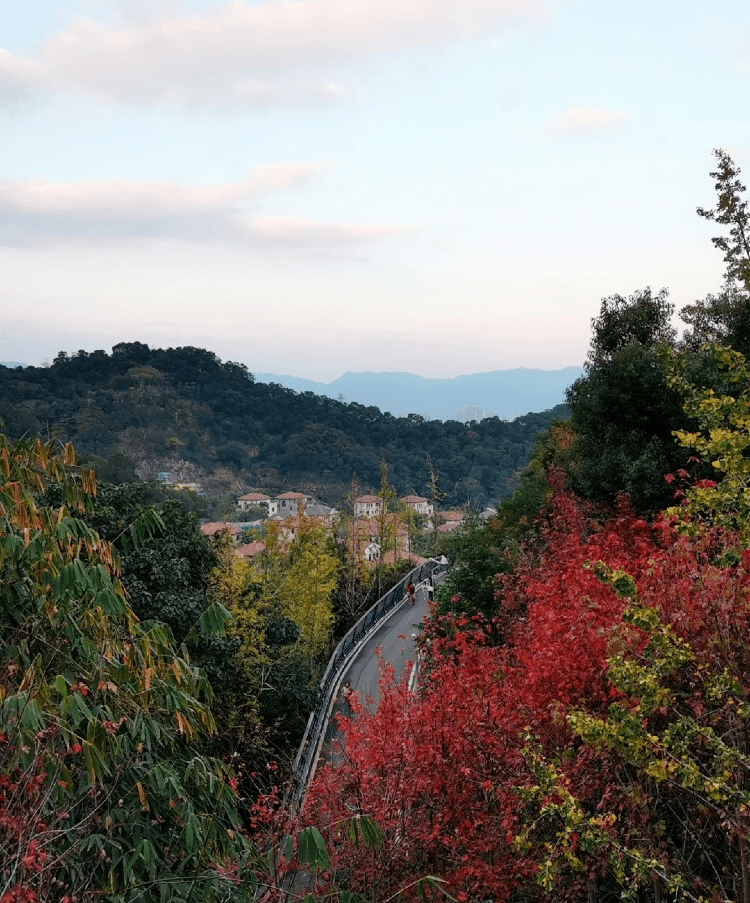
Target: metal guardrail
(365, 626)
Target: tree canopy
(100, 714)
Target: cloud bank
(237, 56)
(43, 214)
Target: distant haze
(505, 393)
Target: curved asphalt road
(363, 673)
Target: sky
(314, 186)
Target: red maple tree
(440, 771)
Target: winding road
(394, 640)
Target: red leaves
(34, 858)
(443, 773)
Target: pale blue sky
(314, 186)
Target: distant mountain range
(506, 393)
(142, 412)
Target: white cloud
(242, 56)
(585, 121)
(19, 83)
(151, 199)
(43, 214)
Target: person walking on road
(410, 591)
(347, 693)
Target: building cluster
(286, 508)
(384, 536)
(374, 534)
(371, 505)
(288, 504)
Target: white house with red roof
(420, 505)
(253, 500)
(368, 506)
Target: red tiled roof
(254, 497)
(412, 499)
(211, 529)
(251, 549)
(368, 499)
(292, 495)
(454, 515)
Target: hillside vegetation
(183, 411)
(580, 727)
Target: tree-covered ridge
(183, 410)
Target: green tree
(731, 210)
(725, 317)
(103, 707)
(722, 439)
(623, 411)
(477, 553)
(308, 584)
(387, 524)
(166, 578)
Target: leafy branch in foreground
(100, 712)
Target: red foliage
(439, 772)
(443, 773)
(31, 824)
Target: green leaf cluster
(106, 709)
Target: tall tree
(623, 411)
(102, 712)
(725, 316)
(731, 210)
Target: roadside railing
(304, 764)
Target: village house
(364, 541)
(288, 503)
(450, 520)
(254, 500)
(418, 504)
(368, 506)
(293, 503)
(250, 550)
(215, 527)
(321, 512)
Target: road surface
(363, 672)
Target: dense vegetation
(141, 411)
(584, 735)
(104, 786)
(582, 727)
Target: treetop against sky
(312, 186)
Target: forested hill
(184, 411)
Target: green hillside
(144, 411)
